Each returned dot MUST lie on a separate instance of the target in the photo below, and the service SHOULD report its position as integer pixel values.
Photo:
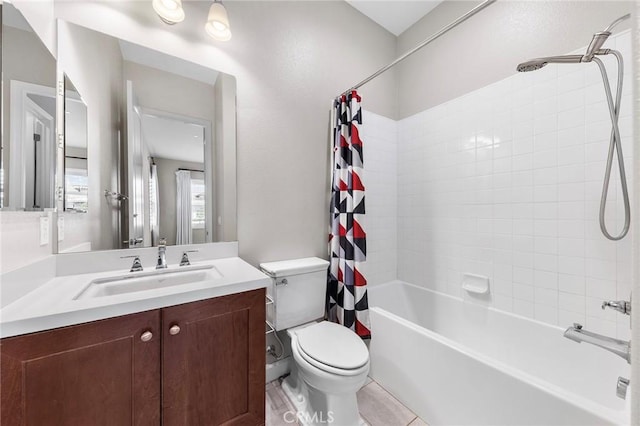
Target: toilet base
(315, 408)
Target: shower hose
(615, 144)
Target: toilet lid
(334, 345)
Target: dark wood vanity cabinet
(200, 363)
(213, 359)
(100, 373)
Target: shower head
(536, 64)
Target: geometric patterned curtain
(346, 286)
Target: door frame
(19, 104)
(209, 163)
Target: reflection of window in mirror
(197, 203)
(76, 176)
(76, 183)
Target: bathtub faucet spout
(616, 346)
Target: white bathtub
(457, 363)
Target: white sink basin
(143, 281)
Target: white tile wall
(380, 179)
(505, 182)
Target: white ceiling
(395, 15)
(173, 139)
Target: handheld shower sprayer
(615, 143)
(536, 64)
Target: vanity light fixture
(170, 11)
(218, 22)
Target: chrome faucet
(618, 347)
(162, 254)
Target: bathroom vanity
(177, 365)
(186, 354)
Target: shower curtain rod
(452, 25)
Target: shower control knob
(621, 306)
(175, 329)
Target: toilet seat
(332, 348)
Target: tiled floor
(377, 407)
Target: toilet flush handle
(282, 282)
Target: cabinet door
(213, 361)
(99, 373)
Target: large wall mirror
(28, 156)
(149, 146)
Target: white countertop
(52, 304)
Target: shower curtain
(183, 207)
(347, 287)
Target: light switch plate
(44, 231)
(60, 228)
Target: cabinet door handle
(146, 336)
(175, 329)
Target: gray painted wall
(488, 46)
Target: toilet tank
(298, 290)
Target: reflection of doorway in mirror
(37, 145)
(173, 143)
(32, 147)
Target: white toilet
(331, 362)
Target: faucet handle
(621, 306)
(577, 326)
(137, 265)
(185, 257)
(162, 242)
